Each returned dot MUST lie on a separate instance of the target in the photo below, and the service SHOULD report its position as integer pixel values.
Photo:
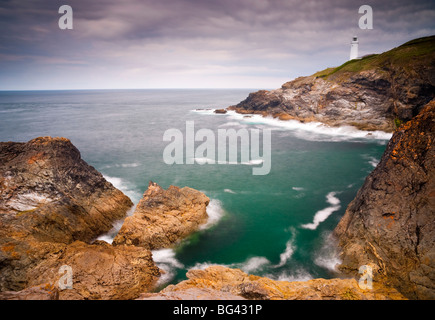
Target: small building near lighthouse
(354, 48)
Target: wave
(230, 191)
(215, 212)
(328, 256)
(297, 275)
(204, 111)
(204, 160)
(125, 187)
(289, 250)
(297, 188)
(123, 165)
(373, 161)
(315, 131)
(165, 260)
(250, 265)
(323, 214)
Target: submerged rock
(163, 217)
(390, 224)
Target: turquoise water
(264, 225)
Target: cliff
(221, 283)
(377, 92)
(390, 224)
(52, 205)
(163, 217)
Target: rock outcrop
(163, 217)
(52, 205)
(377, 92)
(390, 224)
(223, 283)
(47, 191)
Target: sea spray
(165, 259)
(328, 255)
(314, 131)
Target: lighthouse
(354, 48)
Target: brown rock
(220, 111)
(99, 271)
(369, 93)
(49, 199)
(163, 217)
(218, 280)
(42, 292)
(49, 192)
(390, 224)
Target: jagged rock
(49, 199)
(372, 93)
(163, 217)
(42, 292)
(390, 224)
(99, 270)
(49, 192)
(220, 282)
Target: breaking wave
(125, 187)
(323, 214)
(314, 131)
(165, 260)
(215, 212)
(328, 256)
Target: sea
(276, 225)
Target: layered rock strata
(221, 283)
(52, 205)
(377, 92)
(164, 217)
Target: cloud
(197, 42)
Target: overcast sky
(192, 43)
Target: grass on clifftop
(401, 57)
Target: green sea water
(276, 224)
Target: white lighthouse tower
(354, 48)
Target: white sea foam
(215, 212)
(250, 265)
(289, 250)
(125, 187)
(204, 160)
(373, 161)
(231, 124)
(311, 130)
(165, 259)
(328, 255)
(254, 264)
(230, 191)
(323, 214)
(297, 188)
(297, 275)
(204, 111)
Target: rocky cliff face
(49, 192)
(377, 92)
(52, 205)
(390, 224)
(163, 217)
(221, 283)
